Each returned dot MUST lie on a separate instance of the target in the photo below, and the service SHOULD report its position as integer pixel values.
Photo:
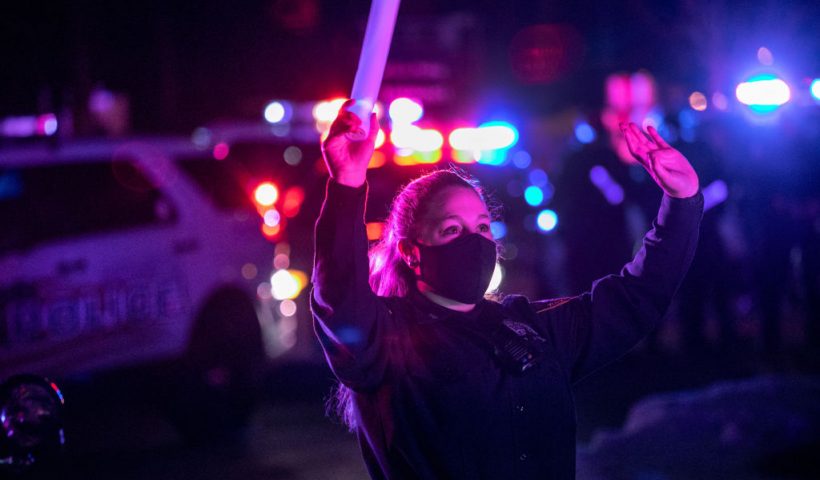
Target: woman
(439, 382)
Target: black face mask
(460, 270)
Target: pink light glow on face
(458, 211)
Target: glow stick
(373, 58)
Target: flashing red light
(293, 201)
(266, 194)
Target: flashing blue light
(533, 195)
(501, 135)
(498, 229)
(522, 159)
(763, 93)
(815, 89)
(763, 108)
(585, 133)
(538, 177)
(547, 220)
(493, 157)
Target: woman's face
(453, 212)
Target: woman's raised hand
(667, 166)
(347, 159)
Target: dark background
(185, 63)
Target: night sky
(186, 63)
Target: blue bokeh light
(547, 220)
(533, 195)
(522, 159)
(585, 133)
(815, 89)
(498, 229)
(538, 177)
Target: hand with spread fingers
(667, 166)
(346, 158)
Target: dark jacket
(432, 399)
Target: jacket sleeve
(350, 321)
(599, 326)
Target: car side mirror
(31, 424)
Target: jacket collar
(428, 311)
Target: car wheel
(217, 383)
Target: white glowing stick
(372, 60)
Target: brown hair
(389, 275)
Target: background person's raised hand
(667, 166)
(347, 159)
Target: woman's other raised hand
(667, 166)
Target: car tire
(216, 385)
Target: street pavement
(114, 430)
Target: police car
(117, 253)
